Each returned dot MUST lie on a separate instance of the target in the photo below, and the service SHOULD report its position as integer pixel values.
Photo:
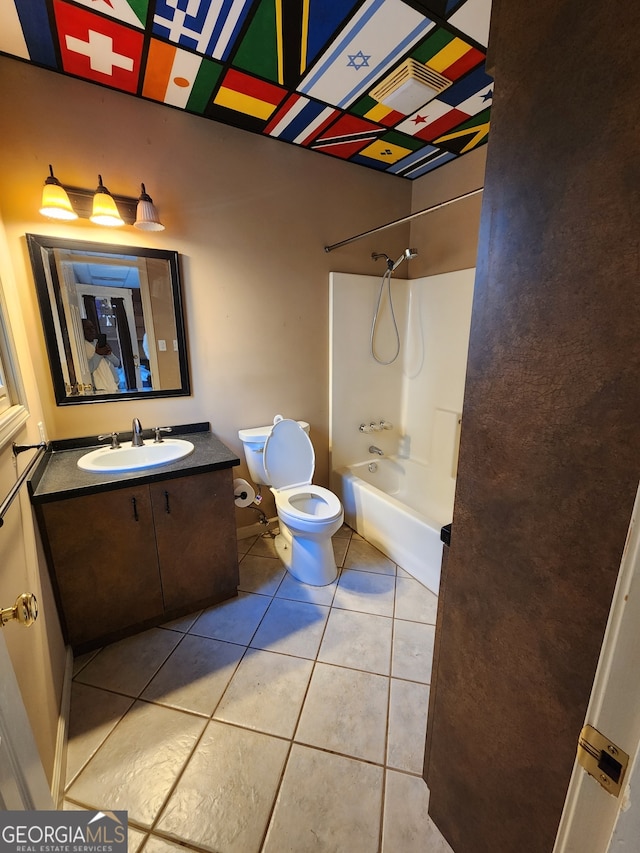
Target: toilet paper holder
(243, 492)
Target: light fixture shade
(105, 210)
(147, 218)
(55, 201)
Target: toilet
(281, 456)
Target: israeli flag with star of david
(374, 40)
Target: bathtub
(399, 505)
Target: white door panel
(593, 821)
(23, 784)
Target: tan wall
(249, 216)
(447, 239)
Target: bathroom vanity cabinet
(136, 555)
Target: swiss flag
(98, 49)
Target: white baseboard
(62, 735)
(255, 529)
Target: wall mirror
(113, 320)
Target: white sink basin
(104, 460)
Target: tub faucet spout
(374, 449)
(136, 437)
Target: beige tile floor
(291, 718)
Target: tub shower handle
(365, 428)
(385, 425)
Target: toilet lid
(289, 459)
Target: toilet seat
(309, 503)
(289, 461)
(283, 458)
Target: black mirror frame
(36, 244)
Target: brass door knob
(25, 611)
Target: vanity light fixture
(99, 205)
(147, 218)
(55, 201)
(105, 210)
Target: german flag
(249, 95)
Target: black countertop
(58, 477)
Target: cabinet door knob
(167, 508)
(135, 509)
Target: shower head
(405, 256)
(393, 265)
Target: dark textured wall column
(551, 426)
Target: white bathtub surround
(362, 391)
(407, 496)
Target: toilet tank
(253, 440)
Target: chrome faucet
(136, 437)
(374, 449)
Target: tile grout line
(138, 698)
(208, 720)
(291, 740)
(134, 699)
(386, 739)
(207, 723)
(211, 718)
(297, 723)
(179, 776)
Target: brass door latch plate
(602, 759)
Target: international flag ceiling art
(306, 72)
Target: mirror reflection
(112, 318)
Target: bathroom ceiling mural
(396, 86)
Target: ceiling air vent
(409, 87)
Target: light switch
(162, 345)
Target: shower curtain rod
(404, 219)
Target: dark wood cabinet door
(105, 567)
(195, 533)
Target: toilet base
(309, 560)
